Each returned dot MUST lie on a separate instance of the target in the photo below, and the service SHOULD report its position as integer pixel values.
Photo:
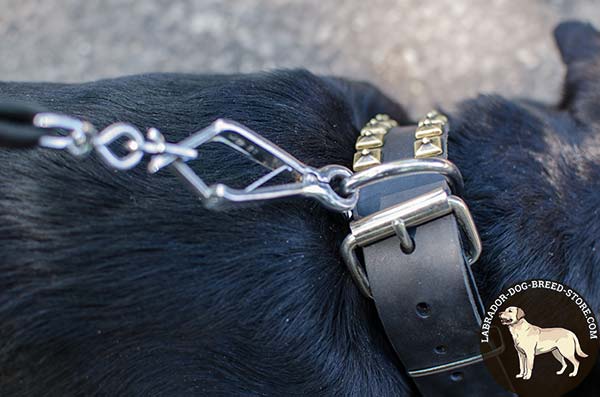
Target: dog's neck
(520, 325)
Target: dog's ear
(579, 45)
(520, 313)
(577, 41)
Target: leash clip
(309, 181)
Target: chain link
(82, 138)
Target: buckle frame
(396, 219)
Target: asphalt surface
(421, 53)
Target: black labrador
(117, 283)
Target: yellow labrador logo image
(531, 340)
(539, 338)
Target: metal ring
(327, 195)
(406, 167)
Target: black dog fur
(118, 283)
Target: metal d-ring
(406, 167)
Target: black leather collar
(427, 300)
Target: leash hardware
(396, 219)
(78, 142)
(405, 167)
(81, 138)
(309, 181)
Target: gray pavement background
(419, 52)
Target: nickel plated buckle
(396, 219)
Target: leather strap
(16, 125)
(427, 300)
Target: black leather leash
(16, 125)
(425, 295)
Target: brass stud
(373, 129)
(366, 158)
(432, 113)
(388, 124)
(428, 122)
(428, 131)
(428, 147)
(369, 141)
(440, 120)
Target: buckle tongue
(396, 219)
